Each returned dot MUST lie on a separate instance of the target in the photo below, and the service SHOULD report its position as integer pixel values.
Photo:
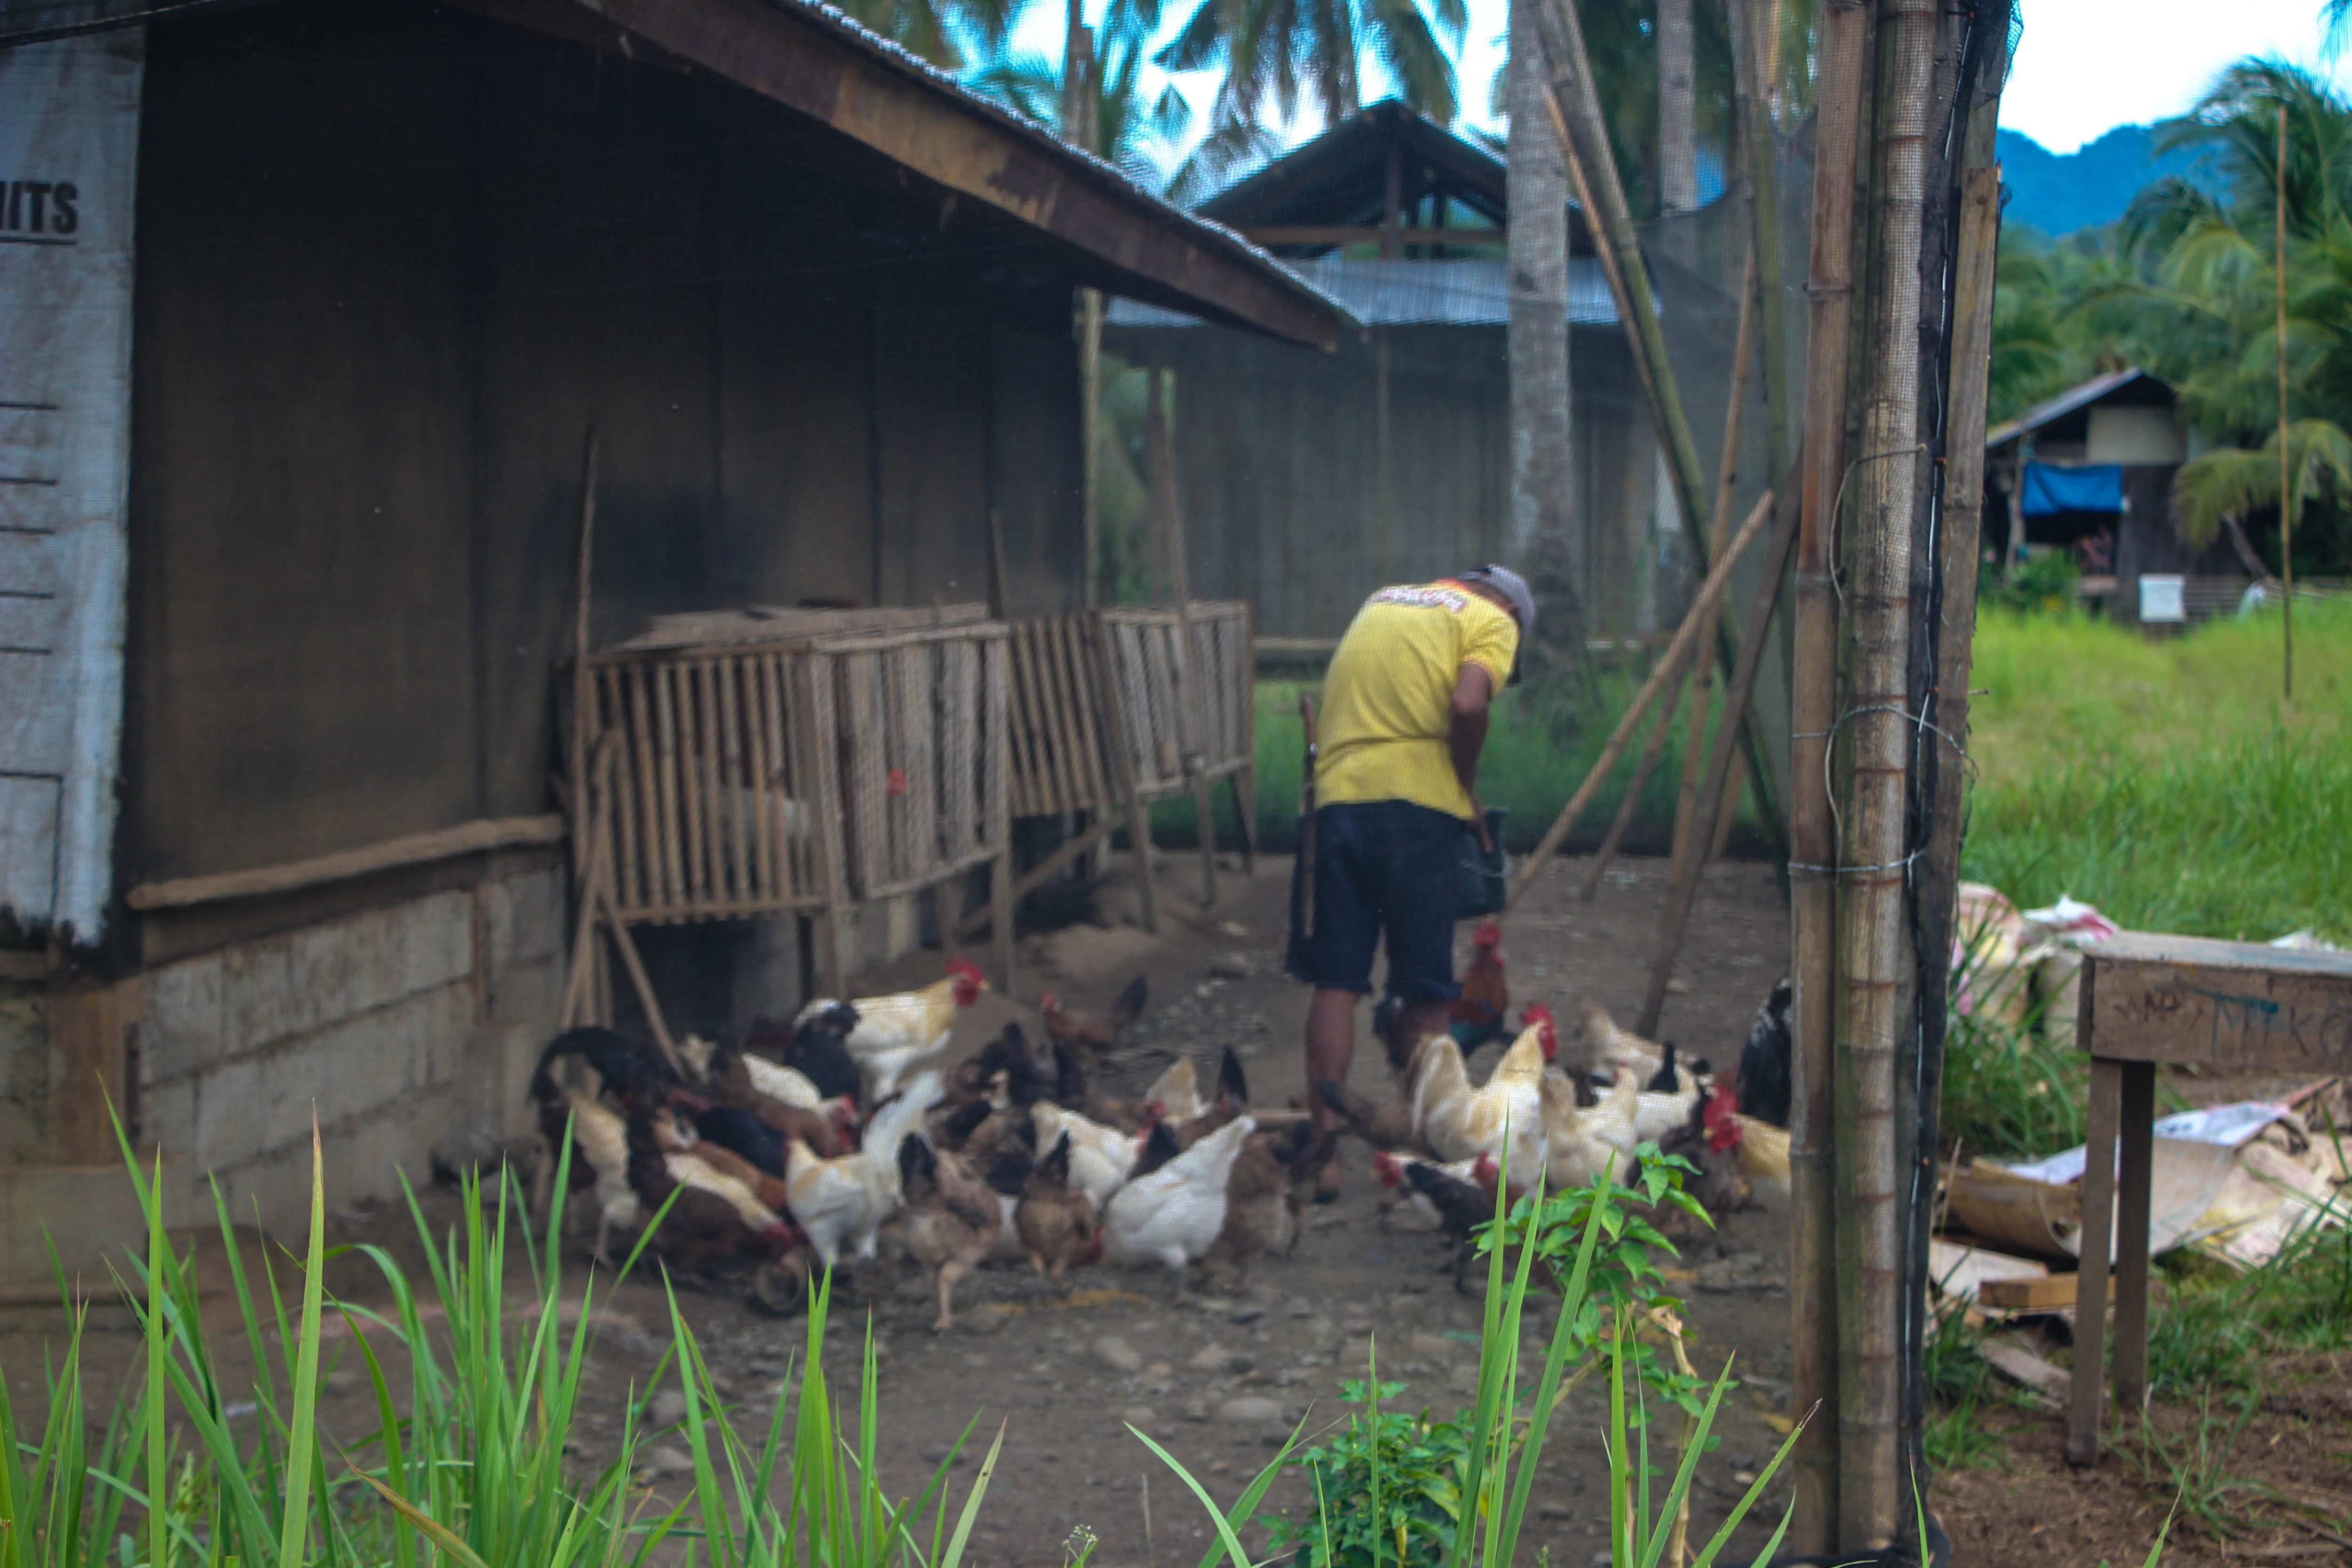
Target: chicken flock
(794, 1149)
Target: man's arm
(1465, 737)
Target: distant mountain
(2060, 193)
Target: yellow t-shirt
(1389, 698)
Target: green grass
(2165, 781)
(1534, 760)
(474, 1461)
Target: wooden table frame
(2150, 999)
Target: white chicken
(1503, 1117)
(1100, 1156)
(1172, 1215)
(899, 1032)
(1607, 1045)
(845, 1200)
(604, 1137)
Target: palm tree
(2219, 490)
(939, 31)
(1283, 53)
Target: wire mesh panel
(1172, 707)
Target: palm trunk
(1546, 533)
(1677, 157)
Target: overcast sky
(2083, 68)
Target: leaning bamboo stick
(1574, 102)
(1686, 639)
(1683, 893)
(1845, 51)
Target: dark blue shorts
(1383, 869)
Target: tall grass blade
(1230, 1541)
(302, 1438)
(159, 1478)
(971, 1514)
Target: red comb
(1049, 1003)
(1488, 934)
(963, 968)
(1386, 1166)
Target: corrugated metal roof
(1458, 293)
(2067, 403)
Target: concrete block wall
(411, 1028)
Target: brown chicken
(1483, 1011)
(731, 1083)
(1055, 1221)
(1271, 1180)
(673, 1135)
(953, 1218)
(714, 1217)
(1091, 1036)
(1383, 1123)
(1000, 1072)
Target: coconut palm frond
(2233, 481)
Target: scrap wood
(2021, 1366)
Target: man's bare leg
(1331, 1048)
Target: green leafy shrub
(1388, 1488)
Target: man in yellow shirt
(1404, 717)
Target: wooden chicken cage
(763, 763)
(1109, 714)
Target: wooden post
(1845, 83)
(821, 767)
(1191, 722)
(1683, 893)
(2286, 490)
(996, 662)
(2091, 1279)
(1122, 767)
(584, 687)
(1686, 640)
(2135, 1174)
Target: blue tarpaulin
(2051, 489)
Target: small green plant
(1627, 1279)
(2197, 1470)
(1960, 1381)
(2043, 582)
(1503, 1435)
(1388, 1485)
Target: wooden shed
(296, 379)
(1308, 481)
(2090, 471)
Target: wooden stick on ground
(1684, 889)
(1685, 637)
(618, 930)
(579, 981)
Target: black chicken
(1765, 1080)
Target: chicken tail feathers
(1232, 1082)
(1129, 1006)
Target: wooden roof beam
(865, 91)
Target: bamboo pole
(1682, 894)
(1843, 52)
(1871, 863)
(583, 688)
(1575, 105)
(1686, 640)
(1727, 474)
(2286, 492)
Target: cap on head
(1514, 589)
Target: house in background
(1308, 480)
(295, 382)
(2091, 471)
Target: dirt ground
(1221, 1377)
